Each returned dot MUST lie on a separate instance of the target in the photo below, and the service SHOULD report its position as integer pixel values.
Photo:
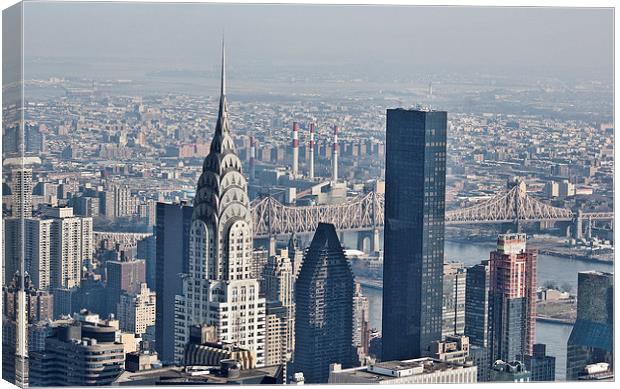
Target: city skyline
(358, 224)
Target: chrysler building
(219, 289)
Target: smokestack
(252, 158)
(295, 148)
(335, 156)
(311, 169)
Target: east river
(562, 271)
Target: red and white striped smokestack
(311, 169)
(295, 148)
(252, 157)
(335, 156)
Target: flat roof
(430, 365)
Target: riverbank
(545, 246)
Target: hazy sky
(555, 40)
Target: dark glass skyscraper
(415, 181)
(172, 255)
(324, 299)
(591, 340)
(477, 317)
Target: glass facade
(591, 340)
(324, 316)
(414, 231)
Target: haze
(560, 42)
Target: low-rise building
(413, 371)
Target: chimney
(295, 148)
(252, 158)
(335, 156)
(311, 168)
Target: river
(562, 271)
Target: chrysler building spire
(222, 128)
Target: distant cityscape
(182, 238)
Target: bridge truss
(366, 212)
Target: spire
(222, 117)
(223, 77)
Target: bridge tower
(579, 225)
(369, 239)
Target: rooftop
(389, 370)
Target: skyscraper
(171, 260)
(21, 192)
(278, 288)
(126, 275)
(218, 289)
(136, 310)
(512, 310)
(324, 315)
(477, 304)
(71, 245)
(55, 248)
(477, 317)
(453, 315)
(295, 254)
(415, 184)
(36, 244)
(361, 330)
(591, 340)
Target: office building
(415, 181)
(21, 192)
(324, 315)
(75, 354)
(512, 291)
(591, 339)
(453, 316)
(123, 276)
(171, 260)
(477, 304)
(413, 371)
(361, 328)
(278, 289)
(513, 371)
(136, 310)
(540, 365)
(454, 348)
(295, 254)
(259, 260)
(277, 335)
(219, 289)
(477, 317)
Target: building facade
(136, 310)
(415, 183)
(219, 289)
(591, 339)
(361, 328)
(173, 222)
(453, 315)
(278, 287)
(540, 365)
(324, 316)
(512, 310)
(82, 353)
